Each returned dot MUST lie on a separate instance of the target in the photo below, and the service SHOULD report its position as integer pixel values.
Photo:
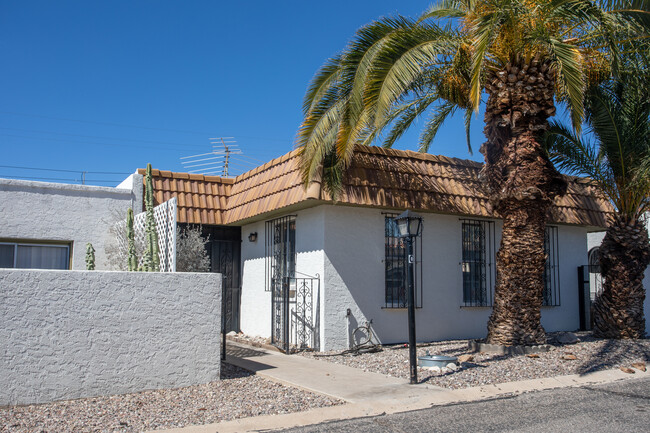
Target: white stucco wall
(255, 306)
(354, 278)
(349, 242)
(41, 211)
(255, 301)
(572, 251)
(72, 334)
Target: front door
(281, 257)
(225, 260)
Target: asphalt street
(622, 406)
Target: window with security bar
(477, 265)
(551, 293)
(396, 266)
(280, 250)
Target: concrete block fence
(73, 334)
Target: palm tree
(525, 55)
(617, 159)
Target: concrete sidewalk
(368, 394)
(334, 380)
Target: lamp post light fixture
(409, 225)
(252, 237)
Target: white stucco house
(69, 333)
(305, 270)
(46, 225)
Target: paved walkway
(346, 383)
(368, 394)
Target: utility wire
(130, 146)
(123, 125)
(103, 138)
(11, 176)
(64, 171)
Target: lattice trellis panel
(165, 215)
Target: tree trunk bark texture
(522, 184)
(624, 257)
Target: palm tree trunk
(624, 257)
(522, 183)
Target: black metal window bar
(279, 250)
(395, 266)
(478, 262)
(551, 293)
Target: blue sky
(108, 86)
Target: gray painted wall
(255, 301)
(354, 278)
(41, 211)
(345, 246)
(72, 334)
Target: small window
(551, 294)
(477, 265)
(395, 266)
(594, 260)
(34, 256)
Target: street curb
(391, 406)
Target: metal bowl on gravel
(436, 361)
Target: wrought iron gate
(590, 285)
(295, 317)
(225, 260)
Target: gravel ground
(239, 394)
(590, 354)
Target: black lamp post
(409, 225)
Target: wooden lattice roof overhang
(377, 177)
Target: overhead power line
(11, 176)
(63, 171)
(124, 125)
(130, 146)
(102, 138)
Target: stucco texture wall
(41, 211)
(72, 334)
(354, 278)
(346, 246)
(255, 301)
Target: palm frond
(468, 122)
(484, 32)
(403, 116)
(567, 61)
(400, 62)
(445, 9)
(438, 117)
(323, 81)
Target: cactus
(90, 257)
(131, 258)
(151, 260)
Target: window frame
(16, 243)
(482, 259)
(395, 253)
